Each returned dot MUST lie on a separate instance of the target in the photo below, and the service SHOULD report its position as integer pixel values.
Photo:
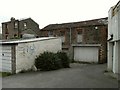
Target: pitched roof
(101, 21)
(23, 19)
(28, 31)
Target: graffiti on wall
(27, 49)
(31, 49)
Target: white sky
(46, 12)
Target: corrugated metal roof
(25, 40)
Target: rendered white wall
(113, 45)
(86, 54)
(119, 24)
(0, 57)
(114, 25)
(110, 57)
(119, 57)
(115, 57)
(27, 52)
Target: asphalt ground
(78, 76)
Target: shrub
(48, 61)
(64, 59)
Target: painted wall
(119, 24)
(110, 57)
(114, 44)
(27, 52)
(0, 57)
(115, 57)
(119, 57)
(114, 23)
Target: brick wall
(16, 27)
(91, 34)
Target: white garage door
(86, 54)
(5, 57)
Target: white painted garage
(86, 52)
(20, 55)
(6, 57)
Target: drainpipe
(70, 36)
(18, 29)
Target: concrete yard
(78, 76)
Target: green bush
(48, 61)
(52, 61)
(64, 59)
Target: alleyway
(78, 76)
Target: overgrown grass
(0, 74)
(4, 74)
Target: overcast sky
(46, 12)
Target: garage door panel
(6, 59)
(86, 54)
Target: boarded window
(62, 36)
(79, 37)
(63, 39)
(50, 33)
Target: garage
(7, 58)
(86, 52)
(18, 55)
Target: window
(96, 28)
(15, 35)
(6, 37)
(50, 33)
(25, 25)
(6, 28)
(79, 37)
(16, 25)
(21, 35)
(62, 33)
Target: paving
(78, 76)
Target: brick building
(17, 28)
(84, 32)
